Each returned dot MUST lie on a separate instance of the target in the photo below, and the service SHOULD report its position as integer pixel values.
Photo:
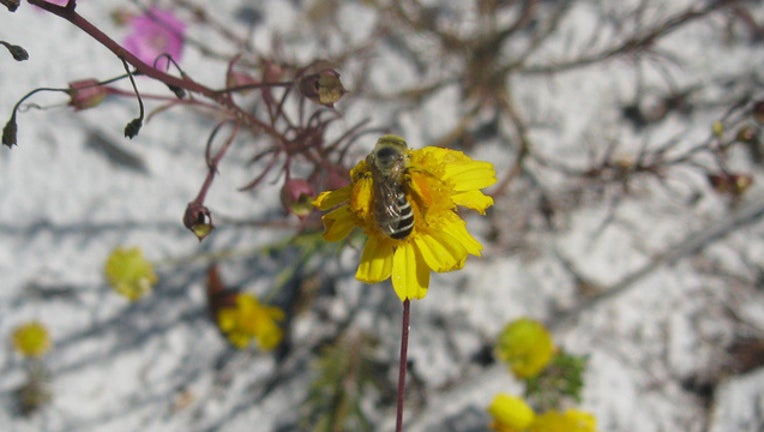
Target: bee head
(389, 151)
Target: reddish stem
(402, 366)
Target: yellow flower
(31, 339)
(569, 421)
(435, 181)
(249, 319)
(526, 345)
(129, 273)
(509, 413)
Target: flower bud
(297, 197)
(324, 87)
(132, 128)
(9, 132)
(86, 93)
(526, 346)
(198, 219)
(12, 5)
(17, 52)
(31, 339)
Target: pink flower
(154, 33)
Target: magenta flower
(154, 33)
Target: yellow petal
(361, 201)
(510, 413)
(440, 251)
(376, 261)
(338, 223)
(474, 200)
(410, 276)
(330, 199)
(468, 174)
(457, 228)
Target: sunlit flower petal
(329, 199)
(339, 223)
(410, 275)
(376, 261)
(473, 200)
(441, 252)
(569, 421)
(155, 33)
(510, 413)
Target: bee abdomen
(401, 226)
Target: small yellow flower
(31, 339)
(509, 413)
(129, 273)
(435, 182)
(526, 346)
(249, 319)
(569, 421)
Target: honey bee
(388, 163)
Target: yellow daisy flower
(526, 346)
(129, 274)
(571, 420)
(31, 339)
(434, 182)
(510, 413)
(249, 319)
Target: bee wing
(386, 199)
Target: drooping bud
(12, 5)
(132, 128)
(9, 132)
(323, 87)
(297, 197)
(198, 219)
(86, 93)
(18, 52)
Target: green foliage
(563, 377)
(345, 372)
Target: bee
(388, 164)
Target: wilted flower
(526, 346)
(571, 420)
(434, 181)
(297, 197)
(730, 184)
(86, 94)
(31, 339)
(248, 319)
(509, 413)
(198, 219)
(129, 273)
(324, 87)
(154, 33)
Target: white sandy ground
(159, 365)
